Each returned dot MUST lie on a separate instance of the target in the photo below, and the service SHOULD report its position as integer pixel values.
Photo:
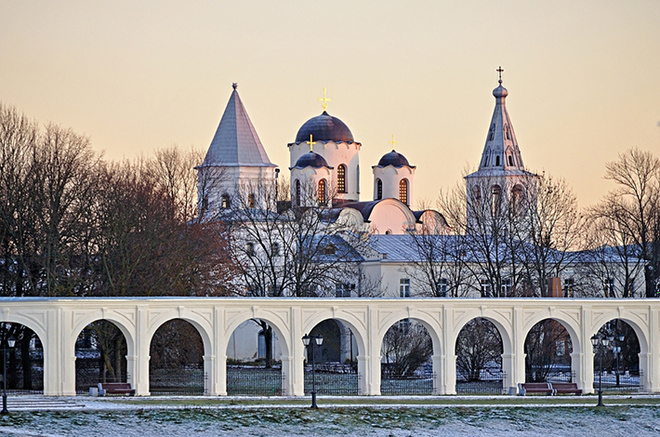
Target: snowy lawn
(166, 417)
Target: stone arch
(502, 324)
(431, 325)
(639, 326)
(616, 362)
(277, 323)
(353, 324)
(202, 326)
(570, 324)
(546, 356)
(121, 321)
(13, 358)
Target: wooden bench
(115, 388)
(535, 387)
(565, 388)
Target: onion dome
(311, 159)
(393, 158)
(325, 127)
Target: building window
(485, 288)
(568, 287)
(297, 193)
(275, 249)
(608, 287)
(443, 287)
(379, 189)
(344, 290)
(506, 287)
(205, 203)
(225, 201)
(404, 287)
(329, 249)
(511, 160)
(497, 161)
(403, 191)
(486, 161)
(496, 197)
(322, 191)
(249, 249)
(341, 178)
(250, 200)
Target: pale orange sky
(583, 76)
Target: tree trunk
(268, 339)
(26, 360)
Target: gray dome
(324, 127)
(393, 158)
(311, 159)
(500, 91)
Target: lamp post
(9, 342)
(307, 341)
(599, 344)
(617, 352)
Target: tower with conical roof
(501, 180)
(236, 171)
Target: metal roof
(236, 142)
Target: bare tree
(551, 225)
(406, 346)
(478, 345)
(635, 206)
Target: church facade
(397, 251)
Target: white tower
(236, 171)
(501, 178)
(333, 141)
(393, 178)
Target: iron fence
(345, 382)
(415, 385)
(490, 382)
(628, 382)
(254, 381)
(186, 381)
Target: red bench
(535, 387)
(565, 388)
(115, 388)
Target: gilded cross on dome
(324, 100)
(499, 71)
(393, 142)
(311, 143)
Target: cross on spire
(311, 143)
(499, 71)
(393, 142)
(324, 100)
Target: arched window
(496, 196)
(511, 160)
(250, 200)
(403, 191)
(225, 201)
(497, 161)
(517, 199)
(297, 193)
(379, 189)
(476, 193)
(486, 161)
(341, 178)
(321, 191)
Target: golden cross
(393, 142)
(311, 143)
(324, 100)
(500, 70)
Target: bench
(565, 388)
(115, 388)
(535, 387)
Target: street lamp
(599, 344)
(10, 342)
(307, 341)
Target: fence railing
(254, 381)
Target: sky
(583, 77)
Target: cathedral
(394, 250)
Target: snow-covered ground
(114, 418)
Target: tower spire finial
(324, 100)
(499, 71)
(311, 142)
(393, 142)
(234, 85)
